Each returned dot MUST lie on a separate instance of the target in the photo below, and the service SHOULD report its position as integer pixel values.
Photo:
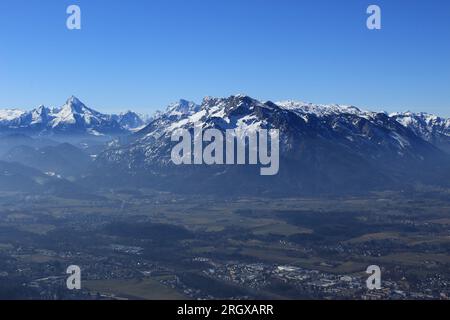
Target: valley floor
(143, 244)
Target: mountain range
(324, 149)
(74, 117)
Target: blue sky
(142, 54)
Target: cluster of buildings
(311, 284)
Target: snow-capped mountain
(181, 109)
(323, 110)
(74, 117)
(131, 120)
(323, 149)
(431, 128)
(7, 116)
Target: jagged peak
(422, 115)
(235, 100)
(128, 112)
(182, 107)
(73, 100)
(75, 105)
(41, 111)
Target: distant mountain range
(325, 149)
(72, 118)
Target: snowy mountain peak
(429, 127)
(182, 107)
(74, 105)
(39, 115)
(321, 110)
(131, 120)
(74, 101)
(10, 114)
(231, 103)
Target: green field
(147, 289)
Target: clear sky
(144, 54)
